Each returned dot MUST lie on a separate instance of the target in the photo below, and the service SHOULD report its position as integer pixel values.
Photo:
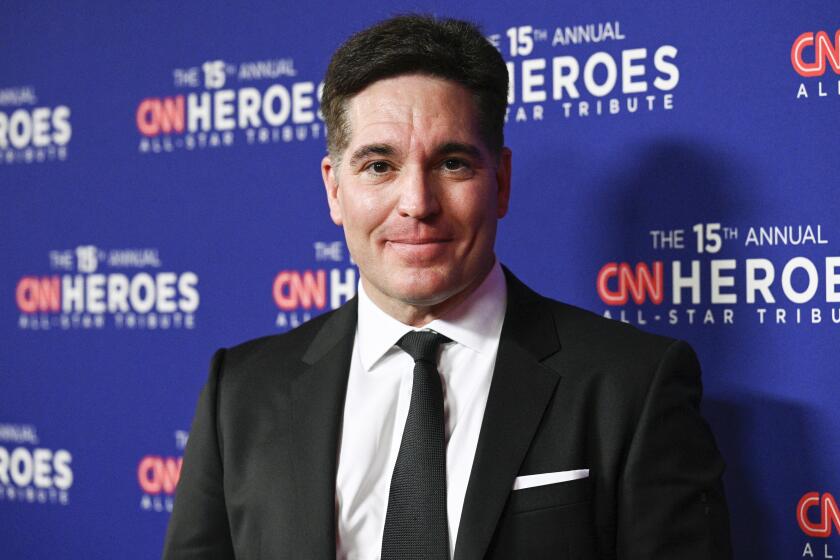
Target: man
(448, 410)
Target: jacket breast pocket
(551, 521)
(550, 495)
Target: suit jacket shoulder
(626, 408)
(589, 343)
(288, 346)
(258, 470)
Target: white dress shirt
(376, 408)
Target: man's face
(417, 191)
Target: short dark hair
(417, 44)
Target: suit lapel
(519, 393)
(317, 410)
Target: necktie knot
(422, 345)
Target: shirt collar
(476, 322)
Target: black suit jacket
(570, 390)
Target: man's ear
(328, 173)
(503, 182)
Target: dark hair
(446, 48)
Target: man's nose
(418, 195)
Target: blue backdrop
(160, 196)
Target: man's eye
(379, 167)
(454, 165)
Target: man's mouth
(418, 249)
(419, 240)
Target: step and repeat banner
(675, 167)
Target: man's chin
(426, 290)
(425, 298)
(429, 286)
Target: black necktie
(416, 526)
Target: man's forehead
(412, 108)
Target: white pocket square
(531, 480)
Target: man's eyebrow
(371, 149)
(459, 148)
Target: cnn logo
(307, 289)
(617, 282)
(823, 51)
(828, 514)
(160, 115)
(159, 474)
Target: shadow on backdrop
(676, 183)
